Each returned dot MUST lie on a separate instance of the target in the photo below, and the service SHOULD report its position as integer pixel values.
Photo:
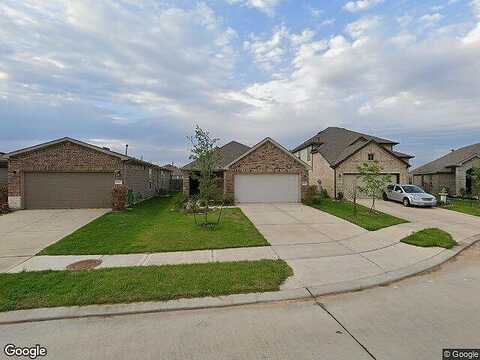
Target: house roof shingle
(81, 143)
(225, 155)
(446, 162)
(174, 169)
(337, 144)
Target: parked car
(409, 195)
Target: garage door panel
(68, 190)
(352, 180)
(267, 188)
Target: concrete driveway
(24, 233)
(457, 224)
(299, 231)
(324, 250)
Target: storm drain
(84, 265)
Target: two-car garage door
(352, 181)
(275, 188)
(68, 190)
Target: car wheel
(385, 197)
(406, 202)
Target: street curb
(387, 278)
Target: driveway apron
(24, 233)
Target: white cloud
(266, 6)
(361, 27)
(370, 81)
(473, 37)
(267, 53)
(431, 19)
(476, 7)
(84, 67)
(361, 5)
(327, 22)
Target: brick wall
(461, 174)
(139, 179)
(322, 171)
(63, 157)
(3, 175)
(389, 163)
(267, 159)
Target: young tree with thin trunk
(373, 181)
(476, 181)
(205, 155)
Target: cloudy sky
(113, 72)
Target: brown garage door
(350, 181)
(68, 190)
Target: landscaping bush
(310, 194)
(180, 201)
(228, 200)
(340, 196)
(324, 194)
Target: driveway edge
(387, 278)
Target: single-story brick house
(452, 171)
(266, 172)
(68, 173)
(176, 171)
(335, 154)
(3, 169)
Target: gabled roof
(336, 138)
(174, 169)
(275, 144)
(81, 143)
(449, 161)
(337, 144)
(225, 155)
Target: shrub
(310, 193)
(180, 201)
(228, 200)
(324, 194)
(340, 196)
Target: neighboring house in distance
(266, 172)
(452, 171)
(335, 154)
(224, 155)
(3, 169)
(176, 171)
(68, 173)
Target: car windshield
(412, 190)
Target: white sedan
(409, 195)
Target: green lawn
(471, 207)
(431, 238)
(364, 219)
(30, 290)
(153, 226)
